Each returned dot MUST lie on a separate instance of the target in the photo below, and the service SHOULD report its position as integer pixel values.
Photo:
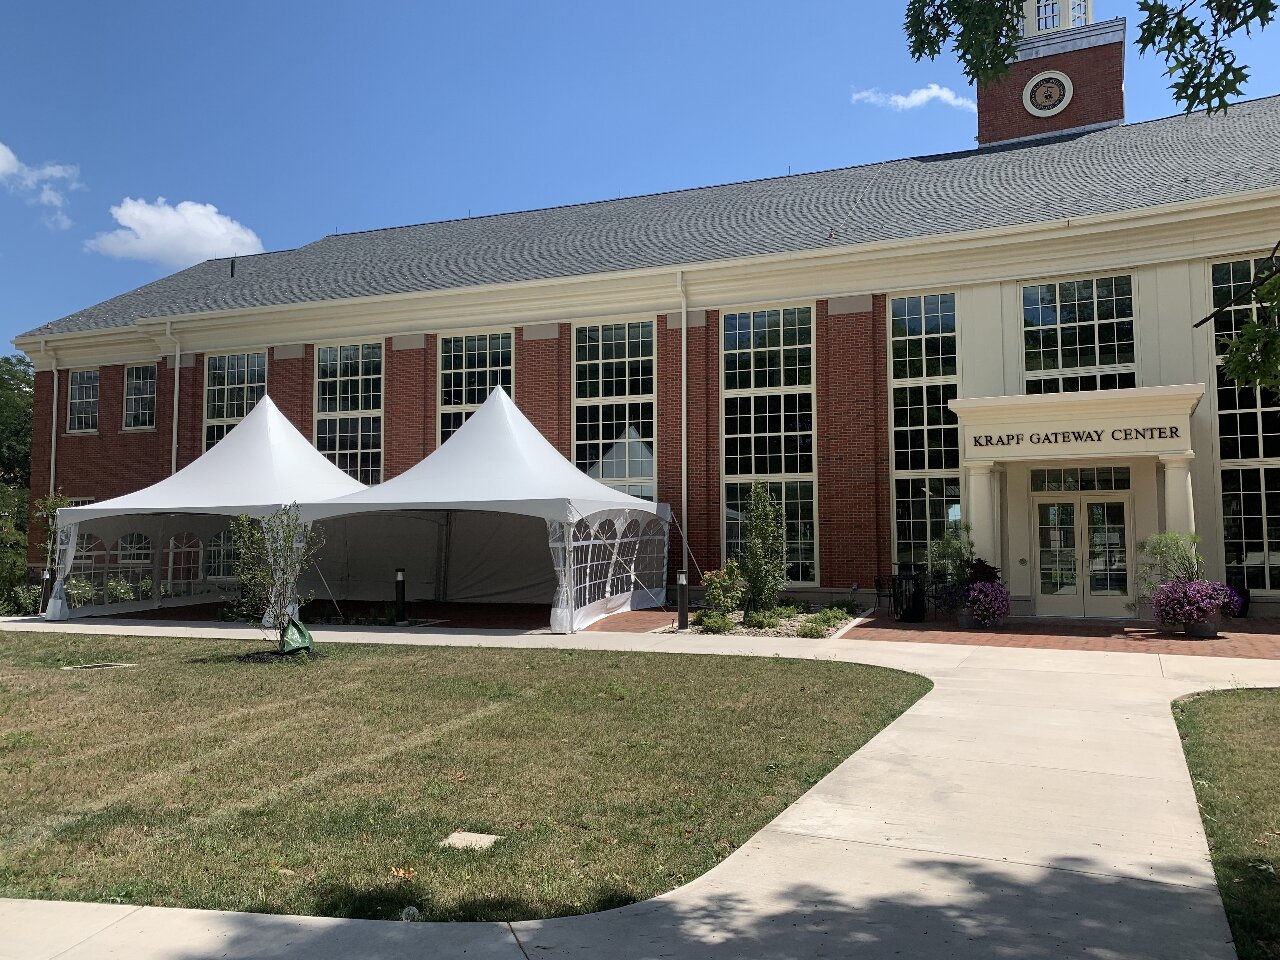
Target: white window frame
(629, 484)
(1221, 464)
(380, 412)
(222, 546)
(466, 409)
(1036, 26)
(228, 422)
(754, 391)
(1097, 369)
(923, 382)
(124, 403)
(96, 400)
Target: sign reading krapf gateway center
(1171, 431)
(1108, 423)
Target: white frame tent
(608, 549)
(261, 465)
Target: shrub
(832, 616)
(988, 603)
(762, 619)
(713, 621)
(120, 590)
(1168, 557)
(763, 555)
(849, 608)
(813, 628)
(79, 591)
(786, 611)
(1193, 601)
(725, 587)
(24, 600)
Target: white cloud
(173, 235)
(916, 98)
(45, 186)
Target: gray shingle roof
(1121, 168)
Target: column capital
(980, 466)
(1178, 458)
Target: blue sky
(295, 119)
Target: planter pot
(1206, 630)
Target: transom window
(82, 401)
(614, 405)
(349, 408)
(799, 526)
(233, 385)
(1080, 478)
(768, 421)
(140, 397)
(471, 367)
(768, 348)
(1082, 326)
(923, 335)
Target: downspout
(684, 419)
(177, 383)
(53, 433)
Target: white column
(1179, 504)
(981, 515)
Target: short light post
(682, 598)
(401, 619)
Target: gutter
(684, 419)
(53, 432)
(177, 382)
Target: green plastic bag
(294, 636)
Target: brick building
(1004, 334)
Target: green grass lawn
(196, 779)
(1232, 742)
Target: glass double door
(1082, 555)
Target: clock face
(1047, 94)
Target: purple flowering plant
(988, 602)
(1193, 601)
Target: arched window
(220, 557)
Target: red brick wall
(108, 463)
(191, 409)
(853, 447)
(703, 523)
(1097, 76)
(543, 385)
(291, 387)
(410, 391)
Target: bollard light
(682, 598)
(401, 619)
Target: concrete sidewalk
(1035, 804)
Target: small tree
(724, 587)
(763, 555)
(272, 552)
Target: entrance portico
(1060, 488)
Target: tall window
(1248, 446)
(1079, 335)
(769, 426)
(926, 436)
(470, 368)
(140, 397)
(82, 401)
(233, 385)
(613, 405)
(349, 408)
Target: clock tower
(1068, 76)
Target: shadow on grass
(860, 903)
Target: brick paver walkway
(1241, 638)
